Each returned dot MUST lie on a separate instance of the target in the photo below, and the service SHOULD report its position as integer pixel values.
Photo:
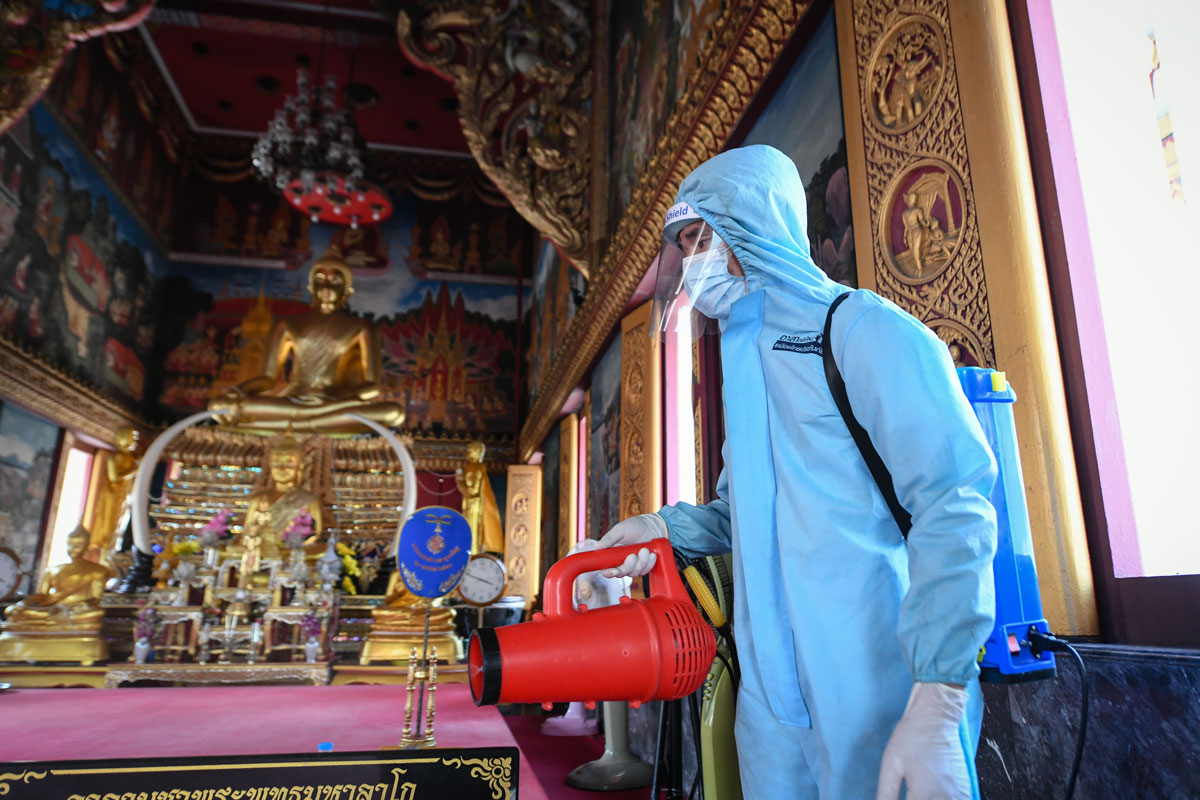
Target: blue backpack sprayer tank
(1008, 656)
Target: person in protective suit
(858, 649)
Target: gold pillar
(641, 412)
(568, 482)
(523, 532)
(934, 124)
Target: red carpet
(79, 724)
(553, 757)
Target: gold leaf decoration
(522, 73)
(36, 37)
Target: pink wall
(1093, 346)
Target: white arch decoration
(141, 483)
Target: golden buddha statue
(479, 503)
(272, 510)
(398, 625)
(113, 496)
(62, 621)
(336, 367)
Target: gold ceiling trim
(29, 381)
(523, 89)
(746, 40)
(37, 40)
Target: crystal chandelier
(312, 152)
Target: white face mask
(710, 287)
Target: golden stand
(422, 672)
(81, 647)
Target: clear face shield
(694, 288)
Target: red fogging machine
(659, 648)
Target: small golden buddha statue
(479, 503)
(272, 510)
(62, 621)
(336, 367)
(112, 499)
(398, 625)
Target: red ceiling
(216, 58)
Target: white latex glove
(592, 588)
(635, 530)
(925, 751)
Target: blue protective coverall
(835, 616)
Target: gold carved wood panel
(903, 106)
(745, 41)
(641, 412)
(523, 532)
(939, 165)
(29, 381)
(568, 483)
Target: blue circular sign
(435, 545)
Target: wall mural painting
(604, 448)
(453, 240)
(27, 447)
(247, 219)
(96, 101)
(656, 47)
(804, 119)
(558, 289)
(77, 272)
(550, 489)
(449, 348)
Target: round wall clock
(10, 573)
(483, 580)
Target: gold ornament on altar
(422, 674)
(272, 509)
(62, 621)
(479, 502)
(112, 501)
(336, 367)
(398, 625)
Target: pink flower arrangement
(310, 624)
(217, 528)
(147, 624)
(300, 529)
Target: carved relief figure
(907, 72)
(929, 244)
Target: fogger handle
(560, 580)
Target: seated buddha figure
(398, 624)
(61, 622)
(335, 367)
(272, 509)
(479, 503)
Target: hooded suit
(835, 614)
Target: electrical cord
(1047, 641)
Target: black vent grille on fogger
(659, 648)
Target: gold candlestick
(422, 673)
